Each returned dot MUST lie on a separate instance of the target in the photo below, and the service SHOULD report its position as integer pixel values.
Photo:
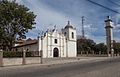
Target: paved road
(107, 68)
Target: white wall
(33, 47)
(49, 44)
(72, 52)
(70, 34)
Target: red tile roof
(27, 42)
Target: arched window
(72, 35)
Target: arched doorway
(55, 52)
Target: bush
(11, 54)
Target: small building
(28, 45)
(54, 43)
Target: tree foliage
(101, 47)
(15, 21)
(85, 45)
(88, 45)
(116, 46)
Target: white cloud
(90, 28)
(46, 18)
(19, 1)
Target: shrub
(11, 54)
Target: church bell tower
(70, 33)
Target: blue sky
(58, 12)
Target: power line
(114, 2)
(103, 6)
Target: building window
(72, 35)
(65, 33)
(55, 41)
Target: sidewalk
(53, 61)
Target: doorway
(55, 52)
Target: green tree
(101, 47)
(85, 45)
(116, 46)
(15, 21)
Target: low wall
(18, 61)
(35, 60)
(32, 60)
(12, 61)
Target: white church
(54, 43)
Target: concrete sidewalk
(50, 61)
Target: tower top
(108, 19)
(108, 22)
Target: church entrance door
(55, 52)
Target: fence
(20, 58)
(95, 54)
(92, 53)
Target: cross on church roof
(68, 22)
(68, 25)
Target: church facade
(58, 44)
(52, 43)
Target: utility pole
(83, 33)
